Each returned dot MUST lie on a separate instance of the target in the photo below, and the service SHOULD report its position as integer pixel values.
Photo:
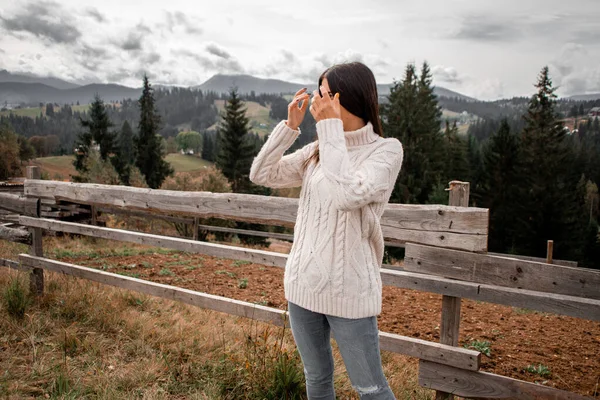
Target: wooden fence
(445, 254)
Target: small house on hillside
(594, 112)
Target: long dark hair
(356, 85)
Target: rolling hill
(245, 83)
(22, 89)
(33, 93)
(56, 83)
(584, 97)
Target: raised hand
(297, 111)
(325, 107)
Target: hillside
(33, 93)
(584, 97)
(245, 83)
(6, 76)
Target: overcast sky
(478, 47)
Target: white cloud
(571, 72)
(446, 74)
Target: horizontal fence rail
(480, 384)
(503, 271)
(437, 225)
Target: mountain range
(19, 89)
(30, 89)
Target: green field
(257, 115)
(186, 163)
(33, 112)
(61, 167)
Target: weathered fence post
(550, 251)
(450, 324)
(196, 227)
(36, 276)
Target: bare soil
(568, 347)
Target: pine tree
(96, 132)
(499, 189)
(457, 167)
(208, 147)
(413, 116)
(125, 153)
(553, 205)
(237, 150)
(148, 143)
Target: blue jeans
(358, 341)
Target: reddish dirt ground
(568, 347)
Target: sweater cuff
(331, 131)
(283, 135)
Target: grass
(23, 112)
(186, 163)
(257, 115)
(243, 283)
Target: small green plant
(146, 264)
(166, 272)
(238, 263)
(130, 274)
(182, 262)
(193, 267)
(16, 298)
(229, 274)
(523, 311)
(539, 369)
(243, 283)
(484, 347)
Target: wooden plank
(192, 246)
(431, 224)
(15, 235)
(425, 350)
(484, 385)
(282, 236)
(36, 276)
(565, 263)
(450, 320)
(203, 300)
(540, 301)
(503, 271)
(19, 204)
(474, 243)
(14, 265)
(468, 359)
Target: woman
(332, 280)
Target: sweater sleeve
(271, 168)
(354, 187)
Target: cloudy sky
(480, 48)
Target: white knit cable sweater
(333, 267)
